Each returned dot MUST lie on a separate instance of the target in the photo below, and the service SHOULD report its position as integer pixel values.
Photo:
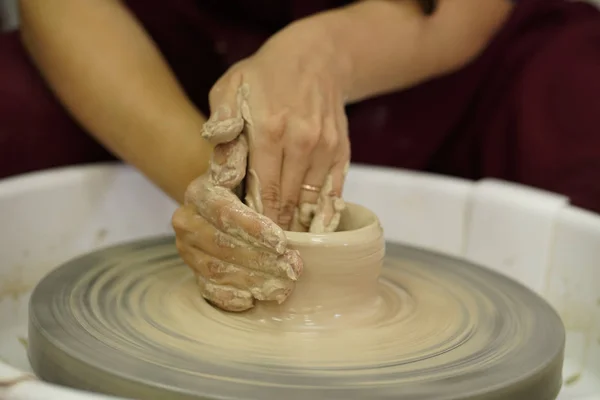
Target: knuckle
(224, 241)
(288, 207)
(307, 135)
(271, 195)
(234, 152)
(330, 142)
(311, 126)
(287, 212)
(307, 141)
(181, 246)
(179, 220)
(195, 189)
(228, 175)
(215, 270)
(272, 127)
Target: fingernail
(289, 270)
(295, 263)
(278, 246)
(275, 289)
(339, 204)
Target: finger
(226, 298)
(265, 157)
(331, 158)
(228, 163)
(262, 286)
(227, 213)
(293, 172)
(297, 154)
(196, 232)
(327, 214)
(264, 168)
(303, 217)
(339, 171)
(226, 121)
(323, 158)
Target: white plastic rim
(535, 237)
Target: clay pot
(341, 269)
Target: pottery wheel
(128, 321)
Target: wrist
(333, 27)
(315, 38)
(383, 43)
(391, 45)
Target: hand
(238, 255)
(289, 99)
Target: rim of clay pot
(357, 225)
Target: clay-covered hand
(238, 255)
(289, 98)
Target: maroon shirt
(527, 110)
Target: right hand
(296, 125)
(237, 254)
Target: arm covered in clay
(111, 77)
(392, 45)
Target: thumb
(228, 163)
(226, 121)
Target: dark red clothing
(527, 110)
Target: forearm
(111, 77)
(392, 45)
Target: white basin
(535, 237)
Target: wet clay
(414, 325)
(322, 217)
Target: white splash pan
(535, 237)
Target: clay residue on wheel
(13, 285)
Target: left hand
(238, 256)
(289, 98)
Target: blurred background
(9, 15)
(9, 18)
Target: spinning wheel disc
(128, 321)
